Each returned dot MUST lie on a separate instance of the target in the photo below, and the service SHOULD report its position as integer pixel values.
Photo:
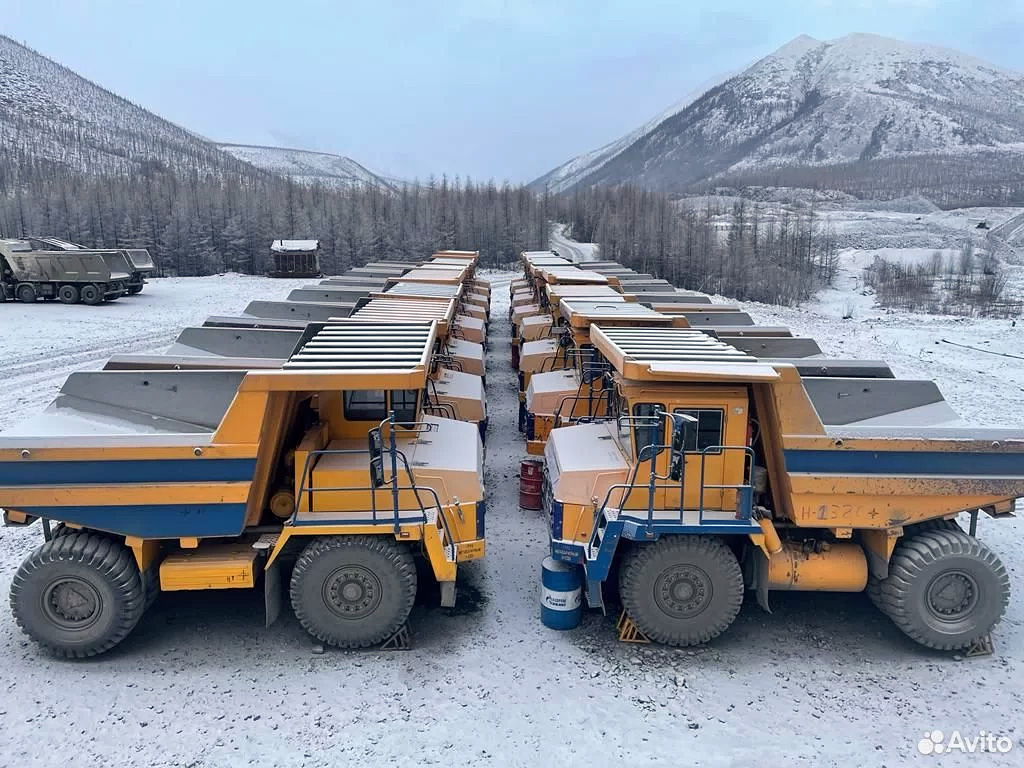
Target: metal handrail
(414, 428)
(631, 485)
(747, 472)
(593, 397)
(449, 362)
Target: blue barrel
(561, 594)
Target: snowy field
(43, 342)
(823, 681)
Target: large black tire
(353, 591)
(78, 595)
(938, 524)
(134, 290)
(26, 293)
(91, 294)
(68, 294)
(682, 590)
(874, 593)
(945, 589)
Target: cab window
(366, 405)
(403, 403)
(648, 429)
(706, 432)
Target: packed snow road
(824, 680)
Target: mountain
(305, 166)
(50, 114)
(846, 112)
(569, 174)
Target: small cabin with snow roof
(295, 258)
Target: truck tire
(68, 294)
(91, 294)
(353, 591)
(134, 290)
(945, 589)
(26, 293)
(78, 595)
(682, 590)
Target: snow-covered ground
(985, 387)
(823, 681)
(43, 342)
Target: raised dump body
(715, 459)
(29, 272)
(203, 479)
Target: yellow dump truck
(204, 479)
(566, 382)
(717, 472)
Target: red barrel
(531, 473)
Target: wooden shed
(295, 258)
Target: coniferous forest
(200, 223)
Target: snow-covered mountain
(52, 114)
(850, 103)
(48, 113)
(305, 166)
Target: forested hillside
(782, 260)
(196, 224)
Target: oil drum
(531, 473)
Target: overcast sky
(485, 88)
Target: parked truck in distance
(29, 271)
(137, 261)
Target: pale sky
(503, 89)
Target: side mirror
(376, 449)
(675, 470)
(680, 422)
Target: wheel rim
(72, 603)
(952, 595)
(683, 591)
(352, 592)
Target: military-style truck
(30, 269)
(137, 261)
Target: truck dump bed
(104, 403)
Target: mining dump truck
(204, 479)
(570, 383)
(28, 273)
(717, 472)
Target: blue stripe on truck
(853, 462)
(152, 521)
(198, 470)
